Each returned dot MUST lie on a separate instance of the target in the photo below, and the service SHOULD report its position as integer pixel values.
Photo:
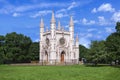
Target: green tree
(113, 44)
(97, 52)
(117, 27)
(2, 49)
(34, 51)
(2, 40)
(83, 51)
(1, 55)
(18, 46)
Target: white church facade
(58, 45)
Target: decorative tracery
(62, 41)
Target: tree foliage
(105, 51)
(97, 52)
(83, 51)
(117, 27)
(16, 48)
(113, 44)
(34, 51)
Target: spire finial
(71, 21)
(53, 17)
(59, 26)
(41, 23)
(77, 38)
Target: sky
(93, 19)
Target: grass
(74, 72)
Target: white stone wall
(59, 48)
(52, 52)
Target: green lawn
(74, 72)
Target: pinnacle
(41, 23)
(53, 17)
(77, 39)
(71, 21)
(59, 26)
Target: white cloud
(105, 7)
(37, 40)
(91, 22)
(98, 36)
(66, 26)
(61, 10)
(103, 21)
(76, 21)
(99, 32)
(116, 16)
(41, 5)
(94, 10)
(9, 8)
(41, 13)
(89, 35)
(60, 15)
(3, 11)
(92, 29)
(109, 30)
(73, 4)
(86, 22)
(24, 8)
(16, 14)
(84, 41)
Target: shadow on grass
(101, 65)
(116, 66)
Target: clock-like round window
(47, 41)
(62, 41)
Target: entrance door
(62, 56)
(46, 56)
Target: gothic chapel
(57, 45)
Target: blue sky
(93, 19)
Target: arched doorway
(62, 56)
(46, 56)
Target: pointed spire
(41, 23)
(59, 26)
(77, 39)
(53, 17)
(71, 21)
